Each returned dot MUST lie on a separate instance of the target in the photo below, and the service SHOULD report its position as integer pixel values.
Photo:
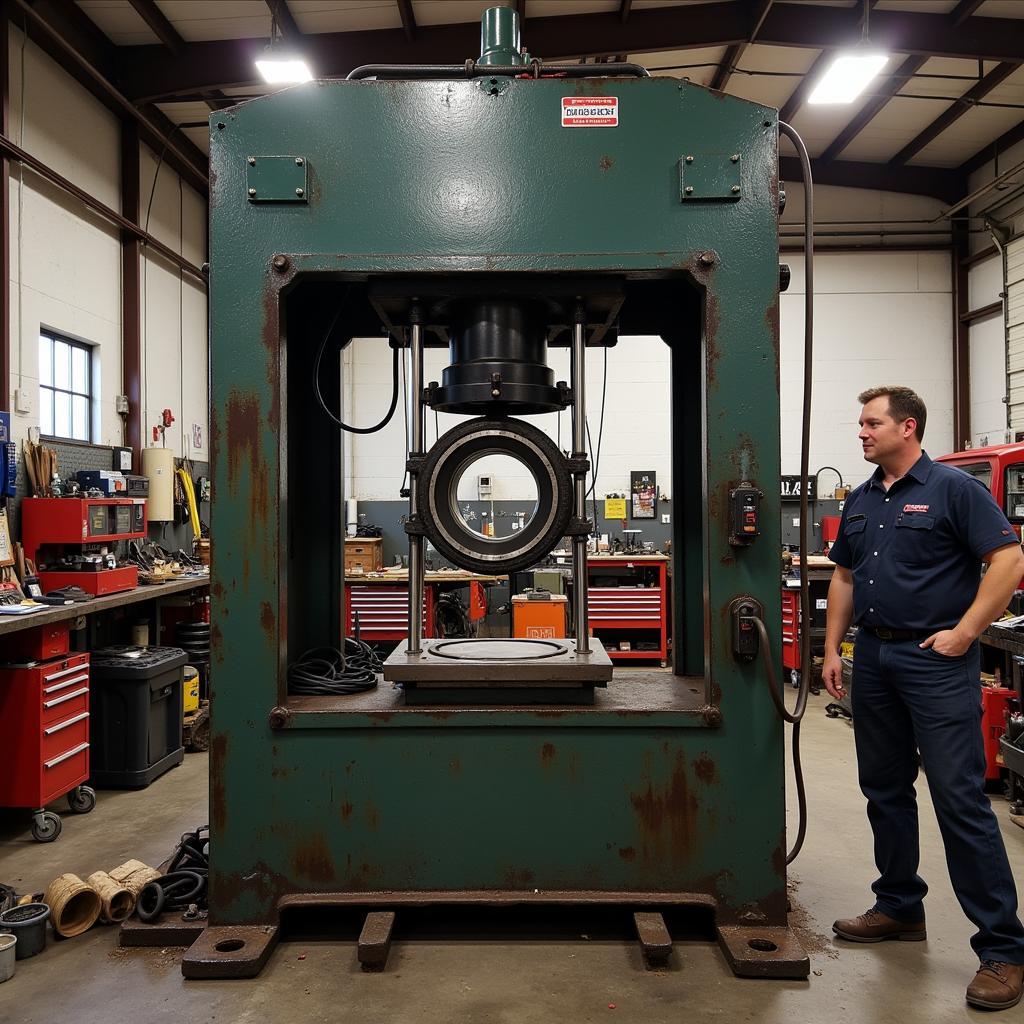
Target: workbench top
(434, 576)
(62, 612)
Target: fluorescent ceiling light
(847, 77)
(278, 69)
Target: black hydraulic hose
(805, 443)
(535, 69)
(323, 405)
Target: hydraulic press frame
(670, 788)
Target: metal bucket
(8, 944)
(28, 923)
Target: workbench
(62, 612)
(381, 600)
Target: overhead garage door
(1015, 332)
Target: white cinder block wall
(66, 260)
(880, 318)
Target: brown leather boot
(996, 986)
(874, 926)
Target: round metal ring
(501, 650)
(437, 495)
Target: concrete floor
(459, 971)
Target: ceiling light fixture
(851, 72)
(283, 68)
(280, 65)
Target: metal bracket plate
(276, 179)
(710, 176)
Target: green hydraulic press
(498, 208)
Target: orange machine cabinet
(539, 619)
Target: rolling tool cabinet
(44, 733)
(628, 606)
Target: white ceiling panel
(199, 136)
(314, 16)
(899, 121)
(785, 67)
(218, 19)
(1001, 9)
(697, 65)
(118, 21)
(977, 128)
(917, 6)
(549, 8)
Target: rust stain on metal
(712, 323)
(455, 767)
(346, 812)
(606, 163)
(372, 816)
(280, 772)
(218, 802)
(667, 812)
(267, 621)
(217, 643)
(245, 451)
(272, 343)
(705, 769)
(312, 859)
(547, 754)
(771, 319)
(627, 853)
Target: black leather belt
(884, 633)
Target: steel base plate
(230, 952)
(755, 952)
(502, 663)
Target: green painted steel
(499, 37)
(684, 795)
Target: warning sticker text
(590, 111)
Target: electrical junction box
(483, 488)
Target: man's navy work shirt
(915, 550)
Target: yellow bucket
(190, 690)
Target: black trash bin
(135, 715)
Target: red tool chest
(383, 610)
(44, 730)
(633, 616)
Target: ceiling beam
(885, 92)
(63, 46)
(807, 83)
(993, 149)
(149, 72)
(963, 11)
(758, 11)
(995, 77)
(286, 23)
(947, 185)
(408, 19)
(148, 11)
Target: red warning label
(590, 111)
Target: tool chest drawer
(44, 724)
(363, 554)
(382, 611)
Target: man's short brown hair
(904, 404)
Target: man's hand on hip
(950, 643)
(832, 675)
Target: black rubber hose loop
(150, 903)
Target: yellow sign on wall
(615, 508)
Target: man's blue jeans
(906, 700)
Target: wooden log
(116, 901)
(74, 906)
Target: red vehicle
(1000, 467)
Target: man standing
(908, 560)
